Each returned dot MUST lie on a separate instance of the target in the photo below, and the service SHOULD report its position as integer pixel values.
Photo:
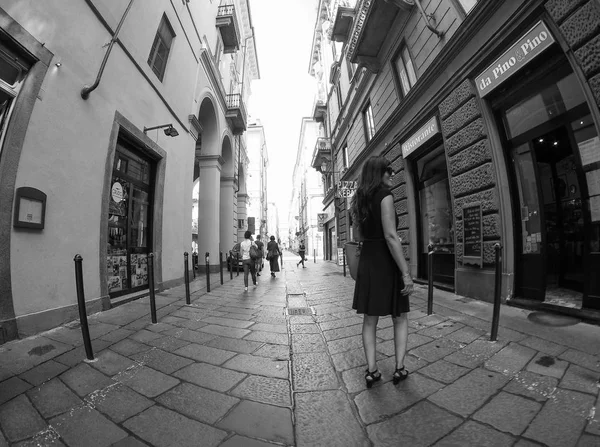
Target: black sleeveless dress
(379, 280)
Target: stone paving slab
(147, 381)
(83, 379)
(473, 434)
(508, 413)
(258, 420)
(205, 354)
(533, 386)
(547, 366)
(197, 403)
(12, 388)
(475, 353)
(22, 355)
(267, 390)
(326, 418)
(225, 331)
(443, 371)
(43, 372)
(421, 425)
(313, 371)
(162, 361)
(53, 398)
(19, 419)
(111, 363)
(388, 399)
(209, 376)
(469, 392)
(258, 365)
(567, 410)
(165, 428)
(580, 379)
(118, 402)
(510, 360)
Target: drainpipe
(427, 17)
(85, 92)
(239, 160)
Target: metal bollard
(186, 276)
(230, 265)
(430, 279)
(221, 266)
(315, 255)
(344, 259)
(151, 287)
(194, 265)
(497, 290)
(237, 263)
(207, 272)
(85, 330)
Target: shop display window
(128, 223)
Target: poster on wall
(595, 208)
(472, 235)
(589, 150)
(340, 256)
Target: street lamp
(170, 131)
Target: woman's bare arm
(388, 221)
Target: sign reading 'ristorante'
(422, 135)
(516, 57)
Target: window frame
(400, 55)
(154, 49)
(345, 161)
(368, 122)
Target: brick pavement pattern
(234, 369)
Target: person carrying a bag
(301, 252)
(273, 254)
(261, 254)
(249, 252)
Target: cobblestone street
(233, 369)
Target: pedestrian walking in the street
(301, 252)
(383, 281)
(261, 254)
(273, 254)
(247, 261)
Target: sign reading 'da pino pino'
(424, 134)
(516, 57)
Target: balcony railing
(236, 113)
(228, 26)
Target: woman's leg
(246, 268)
(400, 338)
(253, 271)
(368, 336)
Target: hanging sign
(321, 221)
(472, 235)
(346, 189)
(524, 50)
(421, 136)
(117, 192)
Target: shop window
(129, 222)
(338, 92)
(405, 70)
(161, 48)
(12, 74)
(369, 123)
(556, 99)
(345, 156)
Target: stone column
(242, 213)
(227, 220)
(209, 209)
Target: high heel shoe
(372, 377)
(399, 375)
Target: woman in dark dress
(273, 254)
(383, 281)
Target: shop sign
(117, 192)
(420, 137)
(472, 235)
(527, 48)
(340, 256)
(321, 221)
(346, 189)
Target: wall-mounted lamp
(170, 131)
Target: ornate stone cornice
(363, 9)
(195, 127)
(214, 76)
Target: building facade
(307, 193)
(488, 112)
(111, 113)
(257, 180)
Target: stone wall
(579, 22)
(470, 169)
(394, 156)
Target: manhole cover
(552, 319)
(299, 311)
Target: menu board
(589, 150)
(472, 235)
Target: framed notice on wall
(472, 235)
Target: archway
(208, 172)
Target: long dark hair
(369, 183)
